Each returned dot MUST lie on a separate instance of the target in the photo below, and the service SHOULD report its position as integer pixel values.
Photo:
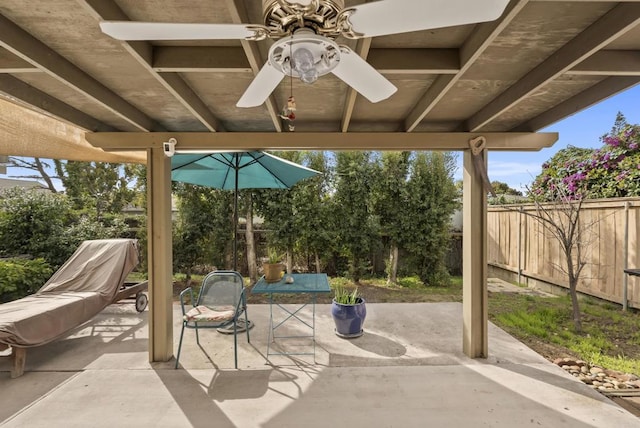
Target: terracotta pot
(273, 271)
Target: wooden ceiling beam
(610, 26)
(414, 60)
(32, 50)
(143, 52)
(362, 49)
(17, 89)
(195, 59)
(609, 63)
(203, 141)
(476, 44)
(238, 16)
(598, 92)
(10, 63)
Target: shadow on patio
(407, 370)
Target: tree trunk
(577, 322)
(45, 176)
(187, 277)
(315, 253)
(251, 244)
(289, 261)
(393, 264)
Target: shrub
(608, 172)
(21, 277)
(44, 225)
(34, 223)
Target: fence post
(625, 279)
(520, 243)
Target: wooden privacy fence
(519, 248)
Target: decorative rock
(625, 377)
(598, 378)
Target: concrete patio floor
(407, 370)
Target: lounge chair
(87, 283)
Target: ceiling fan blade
(357, 73)
(386, 17)
(261, 87)
(131, 30)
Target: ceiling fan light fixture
(303, 63)
(305, 55)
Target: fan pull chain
(288, 112)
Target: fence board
(539, 252)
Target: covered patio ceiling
(539, 62)
(505, 79)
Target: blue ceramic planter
(349, 318)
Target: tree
(354, 222)
(101, 187)
(575, 174)
(501, 188)
(286, 212)
(432, 199)
(202, 229)
(37, 165)
(560, 217)
(389, 199)
(313, 210)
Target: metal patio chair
(221, 304)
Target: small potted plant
(349, 312)
(273, 268)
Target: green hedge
(21, 277)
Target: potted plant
(273, 268)
(349, 311)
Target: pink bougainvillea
(610, 171)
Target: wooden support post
(19, 357)
(474, 257)
(160, 263)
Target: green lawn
(610, 337)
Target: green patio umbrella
(237, 170)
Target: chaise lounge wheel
(141, 301)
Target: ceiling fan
(306, 31)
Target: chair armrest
(182, 294)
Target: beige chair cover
(82, 287)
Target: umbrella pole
(235, 220)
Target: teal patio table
(303, 283)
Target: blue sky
(583, 129)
